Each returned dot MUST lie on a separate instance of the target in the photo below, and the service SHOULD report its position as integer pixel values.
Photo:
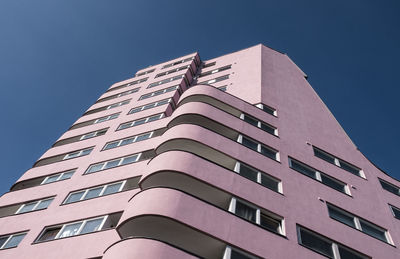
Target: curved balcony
(193, 225)
(141, 247)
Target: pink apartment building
(233, 157)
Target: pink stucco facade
(187, 195)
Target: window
(177, 62)
(253, 214)
(234, 253)
(164, 81)
(113, 163)
(325, 246)
(58, 177)
(208, 64)
(78, 153)
(128, 84)
(215, 71)
(354, 221)
(79, 227)
(126, 141)
(10, 241)
(172, 71)
(215, 80)
(319, 176)
(145, 72)
(94, 134)
(222, 88)
(390, 187)
(162, 91)
(258, 177)
(34, 205)
(264, 150)
(104, 108)
(95, 192)
(257, 123)
(106, 118)
(267, 109)
(140, 121)
(395, 211)
(338, 162)
(117, 104)
(118, 95)
(149, 106)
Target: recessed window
(162, 91)
(140, 121)
(222, 88)
(395, 211)
(79, 227)
(215, 80)
(108, 107)
(118, 95)
(338, 162)
(94, 134)
(145, 72)
(257, 123)
(220, 69)
(326, 246)
(106, 118)
(128, 84)
(113, 163)
(78, 153)
(11, 241)
(172, 71)
(390, 187)
(262, 149)
(354, 221)
(58, 177)
(149, 106)
(319, 176)
(177, 62)
(267, 109)
(258, 177)
(164, 81)
(249, 212)
(102, 190)
(34, 205)
(234, 253)
(127, 141)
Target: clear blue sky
(57, 57)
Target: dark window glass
(93, 193)
(347, 254)
(316, 243)
(269, 182)
(246, 212)
(340, 216)
(268, 152)
(268, 110)
(389, 187)
(332, 183)
(324, 156)
(49, 234)
(3, 240)
(373, 231)
(302, 169)
(237, 255)
(267, 128)
(249, 143)
(250, 120)
(248, 172)
(269, 223)
(349, 168)
(14, 241)
(396, 212)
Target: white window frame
(106, 118)
(392, 209)
(112, 160)
(259, 123)
(232, 209)
(104, 187)
(228, 251)
(9, 238)
(261, 106)
(83, 223)
(236, 169)
(159, 92)
(115, 105)
(318, 176)
(80, 152)
(59, 176)
(92, 134)
(133, 137)
(35, 206)
(132, 123)
(155, 104)
(259, 145)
